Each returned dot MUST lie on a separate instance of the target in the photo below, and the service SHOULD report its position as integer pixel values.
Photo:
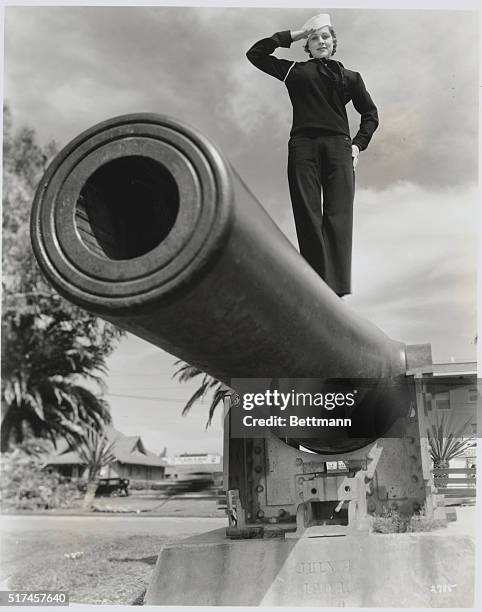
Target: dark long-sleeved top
(319, 90)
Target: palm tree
(46, 361)
(447, 440)
(187, 372)
(95, 450)
(51, 407)
(49, 348)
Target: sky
(415, 250)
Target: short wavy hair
(335, 42)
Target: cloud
(245, 111)
(68, 67)
(414, 264)
(421, 68)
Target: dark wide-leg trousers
(322, 187)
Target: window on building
(473, 395)
(442, 401)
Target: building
(450, 396)
(132, 460)
(194, 465)
(452, 390)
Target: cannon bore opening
(127, 207)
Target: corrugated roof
(137, 458)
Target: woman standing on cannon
(321, 155)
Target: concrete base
(393, 570)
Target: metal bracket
(351, 490)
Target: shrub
(394, 522)
(148, 485)
(26, 485)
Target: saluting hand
(300, 34)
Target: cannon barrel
(142, 221)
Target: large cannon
(142, 221)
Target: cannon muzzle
(142, 221)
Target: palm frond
(196, 396)
(94, 449)
(186, 372)
(218, 398)
(447, 440)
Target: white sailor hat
(317, 22)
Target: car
(192, 482)
(112, 486)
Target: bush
(26, 485)
(393, 522)
(148, 485)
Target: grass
(105, 571)
(96, 561)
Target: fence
(454, 487)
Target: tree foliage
(448, 439)
(49, 347)
(208, 384)
(26, 484)
(95, 451)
